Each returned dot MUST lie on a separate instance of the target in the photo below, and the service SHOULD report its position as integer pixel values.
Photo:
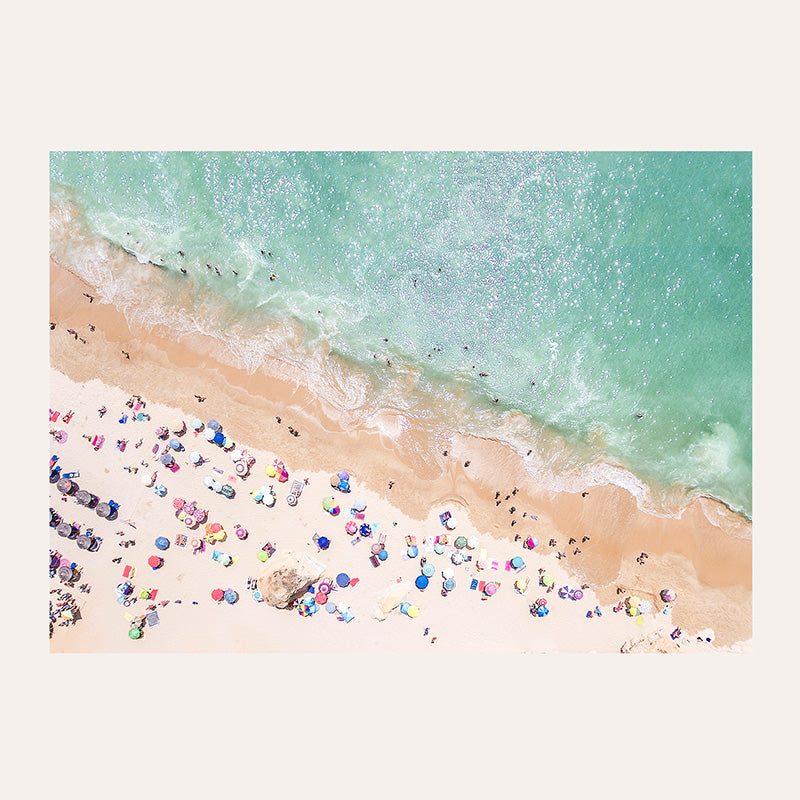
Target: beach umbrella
(517, 562)
(161, 490)
(321, 598)
(412, 551)
(155, 562)
(428, 570)
(236, 455)
(167, 459)
(645, 606)
(209, 481)
(65, 486)
(325, 586)
(134, 633)
(241, 468)
(447, 572)
(199, 514)
(342, 579)
(65, 573)
(270, 470)
(343, 608)
(412, 611)
(383, 555)
(365, 529)
(175, 444)
(472, 542)
(83, 497)
(213, 527)
(350, 527)
(668, 595)
(190, 521)
(438, 548)
(231, 596)
(577, 595)
(283, 476)
(213, 425)
(61, 437)
(262, 555)
(449, 584)
(547, 579)
(209, 433)
(359, 504)
(224, 559)
(178, 503)
(217, 594)
(324, 542)
(269, 499)
(563, 592)
(451, 523)
(179, 426)
(218, 438)
(216, 486)
(328, 503)
(542, 611)
(344, 475)
(162, 543)
(460, 542)
(241, 533)
(375, 549)
(330, 607)
(456, 558)
(491, 588)
(227, 491)
(84, 542)
(149, 479)
(197, 424)
(334, 481)
(421, 582)
(228, 443)
(103, 510)
(64, 529)
(521, 584)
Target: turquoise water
(589, 287)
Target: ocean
(593, 308)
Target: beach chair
(382, 539)
(295, 492)
(375, 561)
(54, 415)
(481, 586)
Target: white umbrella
(195, 457)
(148, 480)
(209, 481)
(447, 573)
(342, 607)
(197, 423)
(472, 542)
(236, 455)
(209, 434)
(451, 523)
(456, 558)
(216, 486)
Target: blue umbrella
(365, 530)
(230, 596)
(542, 611)
(162, 543)
(412, 552)
(383, 555)
(342, 579)
(428, 570)
(449, 584)
(330, 607)
(344, 475)
(218, 438)
(213, 424)
(166, 459)
(421, 582)
(175, 444)
(517, 562)
(323, 542)
(438, 548)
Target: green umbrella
(328, 503)
(134, 633)
(547, 579)
(461, 542)
(262, 556)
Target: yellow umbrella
(413, 611)
(270, 470)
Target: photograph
(400, 401)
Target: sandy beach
(705, 556)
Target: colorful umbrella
(344, 475)
(213, 425)
(241, 533)
(217, 594)
(359, 504)
(547, 579)
(350, 527)
(428, 570)
(491, 588)
(328, 503)
(197, 424)
(456, 558)
(383, 555)
(161, 490)
(577, 595)
(438, 548)
(262, 555)
(412, 551)
(178, 503)
(449, 584)
(472, 542)
(324, 542)
(134, 633)
(517, 562)
(241, 468)
(668, 595)
(175, 444)
(218, 438)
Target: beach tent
(83, 497)
(84, 542)
(65, 529)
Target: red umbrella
(217, 594)
(154, 561)
(178, 503)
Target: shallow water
(589, 287)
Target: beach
(704, 555)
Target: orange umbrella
(213, 527)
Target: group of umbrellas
(188, 513)
(225, 489)
(264, 495)
(341, 481)
(228, 595)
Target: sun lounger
(54, 415)
(474, 584)
(128, 572)
(382, 539)
(375, 561)
(444, 517)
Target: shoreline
(706, 552)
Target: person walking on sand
(126, 354)
(91, 298)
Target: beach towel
(155, 449)
(354, 581)
(153, 593)
(481, 586)
(444, 517)
(54, 415)
(508, 566)
(495, 565)
(129, 571)
(474, 584)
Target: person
(91, 299)
(102, 410)
(272, 276)
(127, 355)
(391, 483)
(200, 399)
(183, 270)
(52, 326)
(425, 633)
(278, 419)
(467, 463)
(90, 326)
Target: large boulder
(286, 576)
(390, 598)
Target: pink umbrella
(350, 527)
(199, 514)
(178, 503)
(491, 588)
(241, 533)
